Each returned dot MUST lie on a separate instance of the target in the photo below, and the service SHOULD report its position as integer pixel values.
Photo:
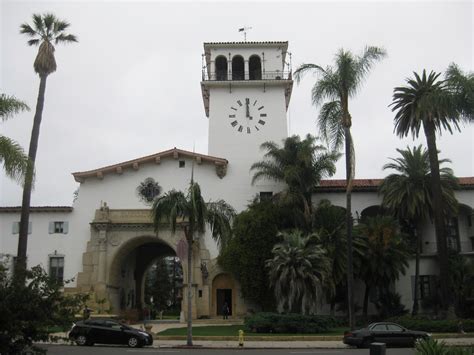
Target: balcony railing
(267, 75)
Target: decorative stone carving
(221, 170)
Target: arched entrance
(223, 291)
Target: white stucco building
(106, 240)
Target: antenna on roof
(244, 30)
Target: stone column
(102, 270)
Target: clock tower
(246, 88)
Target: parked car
(106, 331)
(383, 332)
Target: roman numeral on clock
(263, 115)
(239, 102)
(231, 116)
(262, 122)
(261, 107)
(248, 129)
(233, 123)
(240, 128)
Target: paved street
(112, 350)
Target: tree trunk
(333, 306)
(26, 200)
(438, 213)
(189, 239)
(350, 268)
(414, 310)
(366, 300)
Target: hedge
(289, 323)
(434, 326)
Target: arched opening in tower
(238, 71)
(255, 68)
(221, 68)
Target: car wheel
(81, 340)
(133, 342)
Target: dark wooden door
(223, 295)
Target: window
(453, 234)
(16, 227)
(266, 195)
(255, 68)
(426, 286)
(221, 68)
(472, 243)
(379, 327)
(58, 227)
(238, 72)
(200, 293)
(182, 163)
(56, 267)
(394, 328)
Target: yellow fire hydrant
(241, 337)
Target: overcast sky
(130, 87)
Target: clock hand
(247, 112)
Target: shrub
(434, 347)
(289, 323)
(435, 326)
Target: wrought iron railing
(247, 76)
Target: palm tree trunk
(350, 268)
(189, 239)
(26, 200)
(438, 212)
(414, 310)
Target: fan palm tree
(407, 194)
(386, 254)
(46, 30)
(300, 164)
(297, 271)
(337, 85)
(12, 156)
(195, 213)
(436, 105)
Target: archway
(255, 68)
(372, 211)
(238, 69)
(221, 68)
(223, 291)
(128, 270)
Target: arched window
(238, 72)
(255, 68)
(221, 68)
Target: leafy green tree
(12, 156)
(297, 272)
(337, 85)
(195, 213)
(255, 233)
(436, 105)
(300, 164)
(329, 224)
(385, 256)
(28, 312)
(159, 286)
(407, 195)
(46, 30)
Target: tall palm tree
(386, 254)
(191, 209)
(407, 195)
(436, 105)
(337, 85)
(300, 164)
(46, 30)
(297, 271)
(12, 156)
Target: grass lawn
(233, 330)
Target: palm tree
(12, 156)
(338, 84)
(386, 254)
(191, 209)
(300, 164)
(436, 105)
(407, 194)
(46, 30)
(297, 271)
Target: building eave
(38, 209)
(134, 164)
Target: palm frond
(330, 124)
(27, 30)
(64, 38)
(306, 67)
(13, 158)
(9, 105)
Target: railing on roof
(246, 76)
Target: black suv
(106, 331)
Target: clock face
(247, 115)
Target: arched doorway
(255, 68)
(223, 291)
(221, 68)
(238, 68)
